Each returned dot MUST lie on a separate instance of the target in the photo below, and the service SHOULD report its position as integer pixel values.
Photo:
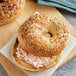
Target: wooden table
(8, 31)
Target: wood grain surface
(8, 31)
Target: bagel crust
(32, 36)
(28, 67)
(10, 9)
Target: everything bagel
(43, 36)
(10, 9)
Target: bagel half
(31, 36)
(27, 66)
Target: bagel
(10, 9)
(28, 67)
(43, 36)
(40, 42)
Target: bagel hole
(48, 35)
(1, 1)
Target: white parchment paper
(6, 51)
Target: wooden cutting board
(8, 31)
